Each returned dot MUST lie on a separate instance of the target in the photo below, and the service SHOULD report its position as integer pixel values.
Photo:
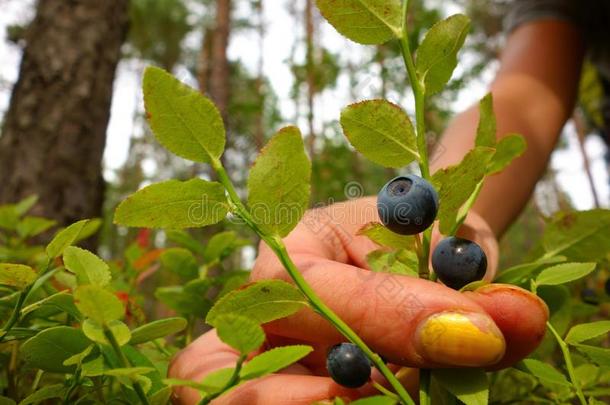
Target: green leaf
(98, 304)
(273, 360)
(161, 397)
(23, 206)
(384, 237)
(95, 332)
(219, 246)
(89, 268)
(521, 272)
(586, 331)
(564, 273)
(32, 226)
(486, 131)
(375, 400)
(278, 184)
(469, 385)
(157, 329)
(17, 275)
(240, 333)
(183, 239)
(437, 54)
(597, 355)
(129, 372)
(182, 301)
(403, 262)
(381, 131)
(578, 235)
(50, 348)
(507, 149)
(62, 301)
(78, 359)
(456, 184)
(45, 393)
(180, 261)
(367, 22)
(174, 204)
(7, 401)
(264, 301)
(182, 119)
(8, 217)
(216, 380)
(544, 372)
(70, 235)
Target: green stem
(233, 381)
(384, 390)
(278, 247)
(424, 387)
(569, 365)
(126, 364)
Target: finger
(519, 314)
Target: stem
(424, 387)
(233, 381)
(569, 365)
(384, 390)
(125, 363)
(278, 247)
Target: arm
(534, 93)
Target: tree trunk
(311, 85)
(579, 124)
(259, 135)
(219, 79)
(55, 129)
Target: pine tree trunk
(311, 85)
(54, 132)
(219, 80)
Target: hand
(411, 322)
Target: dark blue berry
(589, 296)
(458, 262)
(407, 204)
(348, 365)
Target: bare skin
(534, 92)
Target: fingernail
(460, 339)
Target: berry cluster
(408, 205)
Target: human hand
(411, 322)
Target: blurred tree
(54, 132)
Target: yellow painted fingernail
(460, 339)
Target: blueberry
(348, 365)
(407, 204)
(458, 262)
(589, 296)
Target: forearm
(532, 97)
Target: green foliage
(183, 121)
(437, 54)
(384, 237)
(278, 185)
(564, 273)
(469, 385)
(367, 22)
(157, 329)
(239, 332)
(16, 275)
(50, 348)
(89, 268)
(381, 131)
(273, 360)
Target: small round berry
(348, 365)
(458, 262)
(589, 296)
(407, 204)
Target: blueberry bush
(73, 328)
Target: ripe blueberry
(348, 365)
(458, 262)
(407, 204)
(589, 296)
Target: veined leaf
(544, 372)
(17, 275)
(174, 204)
(32, 226)
(89, 268)
(95, 332)
(564, 273)
(486, 131)
(469, 385)
(239, 332)
(508, 148)
(157, 329)
(98, 304)
(586, 331)
(50, 348)
(278, 185)
(384, 237)
(437, 54)
(381, 131)
(367, 22)
(182, 119)
(70, 235)
(262, 302)
(273, 360)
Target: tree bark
(54, 132)
(219, 77)
(311, 83)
